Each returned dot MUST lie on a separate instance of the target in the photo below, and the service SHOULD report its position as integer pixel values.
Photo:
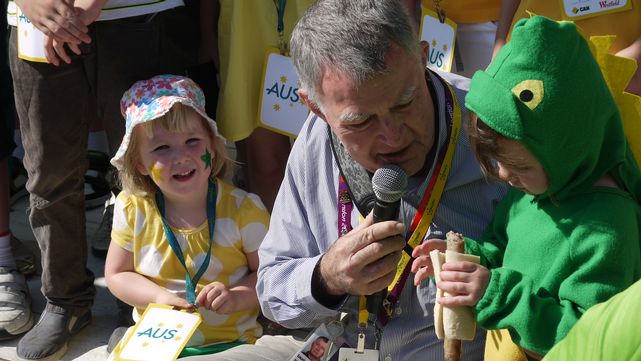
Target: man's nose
(392, 129)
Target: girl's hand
(171, 299)
(216, 297)
(422, 264)
(465, 282)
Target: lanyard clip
(282, 44)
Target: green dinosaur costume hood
(546, 90)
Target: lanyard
(190, 283)
(439, 11)
(428, 206)
(280, 11)
(425, 213)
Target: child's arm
(134, 288)
(242, 296)
(633, 51)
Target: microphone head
(389, 183)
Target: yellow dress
(246, 29)
(468, 11)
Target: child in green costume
(566, 236)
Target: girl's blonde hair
(175, 120)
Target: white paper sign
(281, 109)
(579, 9)
(441, 37)
(159, 335)
(30, 40)
(350, 354)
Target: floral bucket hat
(150, 99)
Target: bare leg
(264, 157)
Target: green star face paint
(206, 157)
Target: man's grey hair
(351, 37)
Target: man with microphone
(373, 103)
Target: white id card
(441, 37)
(321, 344)
(159, 335)
(281, 109)
(30, 40)
(581, 9)
(351, 354)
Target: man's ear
(311, 105)
(425, 48)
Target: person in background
(94, 48)
(477, 22)
(625, 23)
(246, 30)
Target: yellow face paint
(156, 169)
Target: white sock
(6, 256)
(98, 141)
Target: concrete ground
(91, 343)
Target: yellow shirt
(468, 11)
(241, 224)
(246, 29)
(626, 25)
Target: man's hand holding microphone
(363, 261)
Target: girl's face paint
(206, 158)
(156, 171)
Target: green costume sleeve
(607, 331)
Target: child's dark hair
(485, 144)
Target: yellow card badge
(159, 335)
(441, 37)
(280, 108)
(581, 9)
(30, 40)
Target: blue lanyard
(280, 10)
(190, 283)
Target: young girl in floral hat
(181, 236)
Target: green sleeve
(607, 331)
(604, 260)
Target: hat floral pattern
(150, 99)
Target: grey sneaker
(48, 339)
(101, 238)
(15, 304)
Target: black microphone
(389, 184)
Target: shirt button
(399, 310)
(388, 358)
